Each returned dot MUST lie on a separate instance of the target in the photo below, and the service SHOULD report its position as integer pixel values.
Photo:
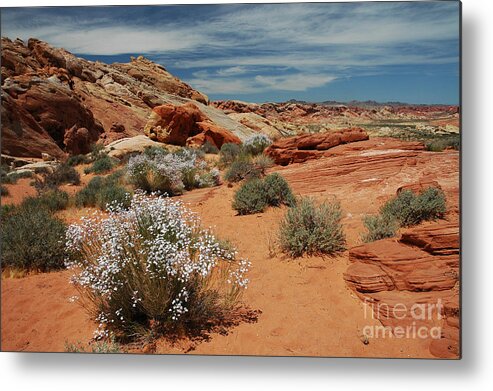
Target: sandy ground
(306, 307)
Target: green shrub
(77, 160)
(97, 152)
(256, 144)
(250, 197)
(311, 228)
(277, 191)
(228, 153)
(242, 169)
(100, 192)
(154, 151)
(51, 200)
(438, 145)
(63, 173)
(262, 163)
(13, 177)
(209, 148)
(411, 209)
(32, 239)
(112, 194)
(404, 210)
(101, 165)
(379, 227)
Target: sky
(382, 51)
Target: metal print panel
(236, 179)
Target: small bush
(32, 239)
(250, 198)
(77, 160)
(154, 151)
(404, 210)
(153, 271)
(255, 145)
(262, 163)
(209, 148)
(208, 179)
(101, 192)
(101, 165)
(97, 152)
(109, 346)
(51, 200)
(171, 173)
(13, 177)
(277, 191)
(441, 144)
(379, 227)
(411, 209)
(310, 228)
(242, 169)
(62, 174)
(228, 153)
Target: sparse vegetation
(13, 177)
(101, 165)
(277, 191)
(241, 169)
(32, 239)
(404, 210)
(379, 227)
(250, 197)
(152, 271)
(77, 160)
(108, 346)
(103, 191)
(209, 148)
(171, 173)
(51, 200)
(441, 144)
(256, 194)
(62, 174)
(256, 144)
(228, 154)
(311, 228)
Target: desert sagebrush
(152, 269)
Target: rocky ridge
(57, 103)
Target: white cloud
(215, 83)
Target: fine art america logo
(419, 320)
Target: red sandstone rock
(310, 146)
(186, 125)
(421, 268)
(420, 186)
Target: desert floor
(305, 305)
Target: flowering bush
(152, 270)
(170, 173)
(256, 144)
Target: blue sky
(395, 51)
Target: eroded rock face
(311, 146)
(419, 270)
(36, 114)
(186, 125)
(49, 91)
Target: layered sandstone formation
(412, 282)
(299, 149)
(57, 103)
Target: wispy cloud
(246, 48)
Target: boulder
(186, 125)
